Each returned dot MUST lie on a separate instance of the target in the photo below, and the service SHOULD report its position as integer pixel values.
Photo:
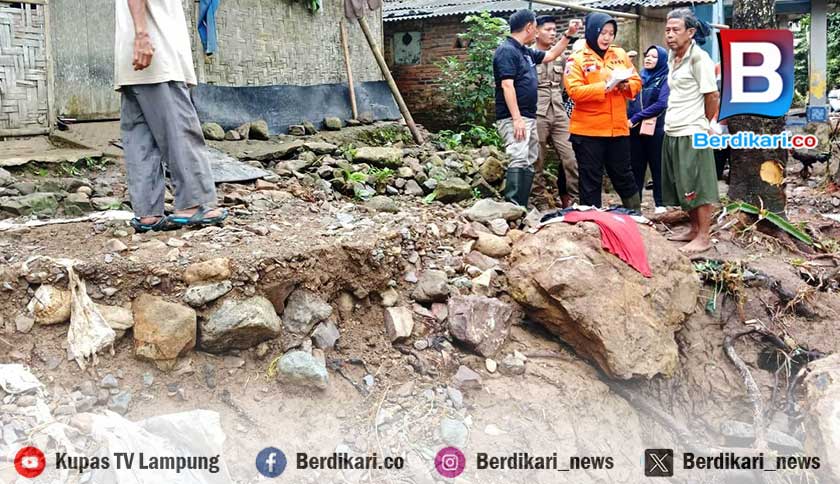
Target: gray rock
(120, 402)
(413, 188)
(455, 396)
(233, 135)
(259, 130)
(325, 335)
(381, 203)
(453, 190)
(453, 432)
(85, 404)
(76, 204)
(366, 117)
(390, 297)
(405, 172)
(332, 123)
(301, 368)
(320, 147)
(309, 128)
(244, 130)
(65, 410)
(23, 323)
(240, 325)
(213, 132)
(303, 310)
(499, 227)
(481, 323)
(199, 295)
(6, 178)
(487, 210)
(106, 203)
(399, 323)
(297, 130)
(513, 364)
(430, 184)
(379, 156)
(109, 381)
(431, 287)
(465, 378)
(40, 204)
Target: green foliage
(386, 136)
(771, 217)
(381, 176)
(468, 84)
(348, 152)
(800, 65)
(69, 169)
(475, 136)
(430, 198)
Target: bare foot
(700, 244)
(686, 236)
(149, 220)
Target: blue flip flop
(161, 225)
(198, 218)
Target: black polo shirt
(513, 60)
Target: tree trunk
(745, 182)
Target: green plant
(386, 136)
(726, 277)
(348, 152)
(476, 193)
(381, 176)
(69, 169)
(771, 217)
(803, 50)
(474, 136)
(429, 198)
(468, 84)
(99, 164)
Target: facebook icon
(271, 462)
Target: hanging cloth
(207, 25)
(354, 9)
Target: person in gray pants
(153, 71)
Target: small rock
(413, 188)
(301, 368)
(303, 310)
(65, 410)
(213, 132)
(492, 170)
(369, 381)
(483, 262)
(309, 128)
(262, 350)
(325, 335)
(455, 396)
(259, 130)
(453, 432)
(109, 381)
(297, 130)
(233, 135)
(431, 287)
(492, 245)
(23, 323)
(440, 311)
(148, 379)
(491, 365)
(466, 378)
(50, 305)
(332, 123)
(115, 245)
(399, 323)
(345, 302)
(499, 226)
(120, 402)
(421, 344)
(486, 210)
(210, 270)
(453, 190)
(199, 295)
(381, 203)
(117, 317)
(380, 157)
(390, 297)
(514, 364)
(405, 172)
(240, 325)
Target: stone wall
(265, 42)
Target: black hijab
(594, 22)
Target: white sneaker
(660, 210)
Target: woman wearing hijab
(647, 122)
(600, 134)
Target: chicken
(808, 158)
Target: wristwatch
(568, 36)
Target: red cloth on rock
(619, 235)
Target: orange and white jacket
(599, 113)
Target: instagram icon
(450, 462)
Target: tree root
(753, 392)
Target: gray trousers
(523, 153)
(160, 127)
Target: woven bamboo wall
(263, 42)
(23, 68)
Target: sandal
(161, 225)
(198, 218)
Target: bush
(468, 84)
(474, 136)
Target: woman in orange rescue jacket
(599, 132)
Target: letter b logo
(757, 72)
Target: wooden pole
(349, 70)
(418, 138)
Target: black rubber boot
(633, 202)
(518, 185)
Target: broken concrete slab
(227, 169)
(52, 155)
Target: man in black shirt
(515, 72)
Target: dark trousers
(647, 151)
(596, 153)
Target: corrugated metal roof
(417, 9)
(617, 4)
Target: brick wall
(264, 42)
(419, 83)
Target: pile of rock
(257, 130)
(51, 196)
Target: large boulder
(481, 323)
(240, 325)
(163, 331)
(822, 414)
(381, 157)
(602, 307)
